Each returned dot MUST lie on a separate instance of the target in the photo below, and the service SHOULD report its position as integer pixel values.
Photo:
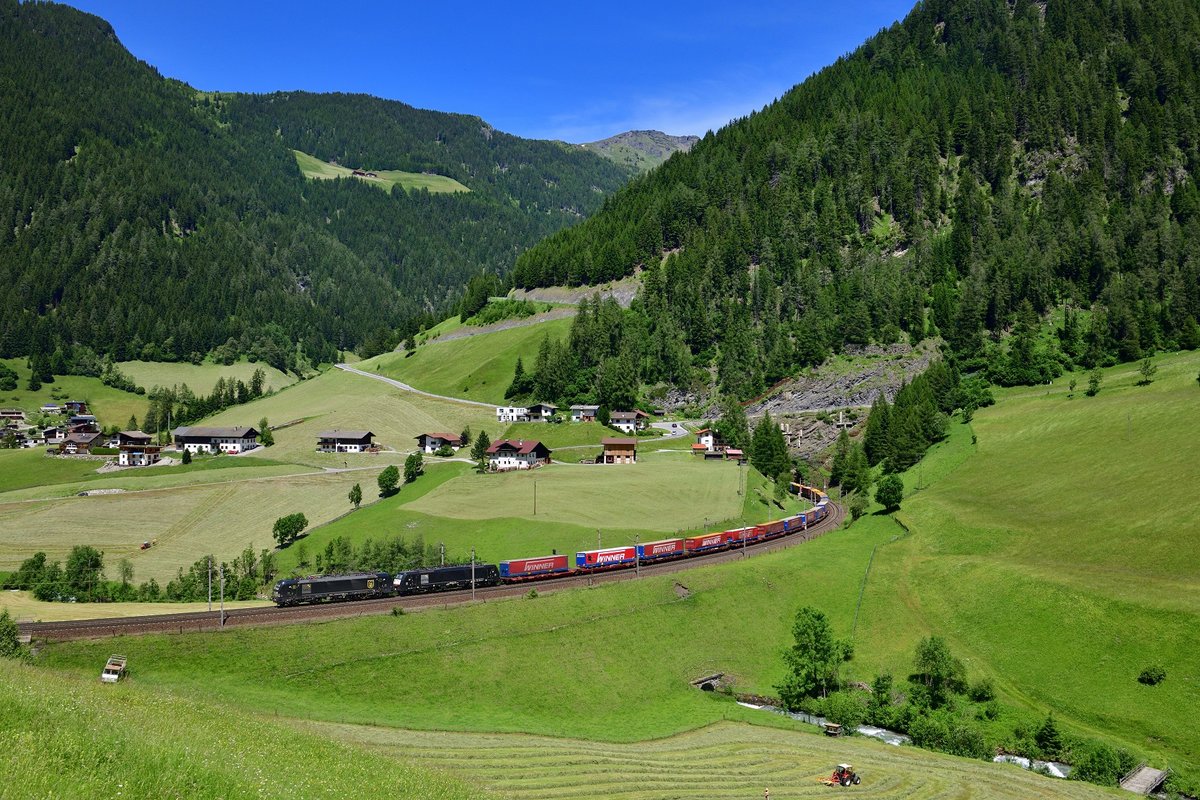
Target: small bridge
(1144, 779)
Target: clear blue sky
(572, 71)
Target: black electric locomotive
(442, 579)
(357, 586)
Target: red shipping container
(708, 541)
(660, 549)
(591, 559)
(736, 535)
(529, 566)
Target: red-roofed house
(432, 442)
(706, 437)
(507, 454)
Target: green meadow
(201, 378)
(316, 169)
(1052, 543)
(337, 400)
(111, 406)
(66, 736)
(478, 367)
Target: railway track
(201, 621)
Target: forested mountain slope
(961, 173)
(142, 218)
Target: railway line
(202, 621)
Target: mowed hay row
(188, 522)
(340, 400)
(725, 760)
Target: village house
(584, 413)
(619, 451)
(75, 407)
(54, 434)
(507, 454)
(137, 449)
(629, 421)
(538, 412)
(12, 415)
(196, 439)
(432, 442)
(512, 414)
(83, 422)
(344, 441)
(79, 443)
(706, 438)
(52, 408)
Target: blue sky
(571, 71)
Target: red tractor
(843, 775)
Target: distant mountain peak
(641, 151)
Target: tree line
(146, 220)
(975, 172)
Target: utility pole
(210, 584)
(222, 594)
(442, 552)
(637, 559)
(597, 538)
(472, 573)
(535, 498)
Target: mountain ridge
(641, 150)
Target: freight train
(367, 585)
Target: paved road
(405, 387)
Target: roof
(550, 406)
(616, 441)
(241, 432)
(731, 451)
(449, 437)
(699, 447)
(83, 438)
(704, 430)
(345, 435)
(136, 435)
(585, 408)
(522, 447)
(623, 415)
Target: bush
(10, 643)
(983, 691)
(287, 528)
(532, 594)
(445, 451)
(187, 456)
(414, 467)
(1099, 764)
(890, 492)
(1152, 675)
(847, 709)
(388, 480)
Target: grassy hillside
(476, 367)
(338, 400)
(111, 406)
(74, 737)
(200, 378)
(724, 761)
(385, 179)
(188, 522)
(1019, 586)
(1059, 554)
(494, 513)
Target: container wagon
(605, 559)
(661, 550)
(525, 568)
